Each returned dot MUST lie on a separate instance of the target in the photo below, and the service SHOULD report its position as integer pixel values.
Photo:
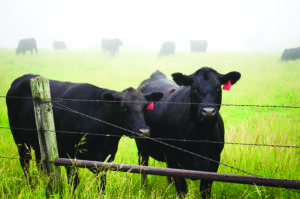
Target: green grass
(265, 81)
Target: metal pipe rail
(240, 179)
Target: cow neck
(111, 116)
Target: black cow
(290, 54)
(27, 45)
(167, 48)
(116, 111)
(111, 46)
(198, 45)
(195, 117)
(59, 45)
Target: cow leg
(181, 187)
(143, 161)
(25, 157)
(103, 181)
(38, 160)
(102, 172)
(180, 183)
(73, 180)
(205, 185)
(205, 188)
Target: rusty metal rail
(240, 179)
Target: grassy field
(265, 81)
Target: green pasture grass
(265, 81)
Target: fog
(231, 25)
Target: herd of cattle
(111, 47)
(198, 97)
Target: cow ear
(182, 80)
(108, 97)
(154, 97)
(232, 76)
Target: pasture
(265, 81)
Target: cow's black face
(206, 92)
(130, 108)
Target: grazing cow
(111, 46)
(167, 48)
(290, 54)
(116, 111)
(27, 45)
(195, 116)
(198, 45)
(59, 45)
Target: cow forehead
(206, 78)
(132, 95)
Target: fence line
(169, 145)
(175, 103)
(166, 139)
(60, 106)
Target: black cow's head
(206, 91)
(129, 108)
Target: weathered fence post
(46, 132)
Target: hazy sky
(233, 25)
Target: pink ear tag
(227, 86)
(150, 106)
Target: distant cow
(189, 110)
(290, 54)
(111, 46)
(115, 117)
(167, 48)
(59, 45)
(27, 45)
(198, 45)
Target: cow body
(27, 45)
(59, 45)
(118, 112)
(167, 48)
(290, 54)
(189, 119)
(198, 45)
(111, 46)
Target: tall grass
(265, 81)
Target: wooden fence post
(46, 132)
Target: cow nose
(208, 112)
(144, 132)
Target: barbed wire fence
(158, 140)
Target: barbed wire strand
(159, 102)
(166, 139)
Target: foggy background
(229, 25)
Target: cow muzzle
(144, 132)
(208, 112)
